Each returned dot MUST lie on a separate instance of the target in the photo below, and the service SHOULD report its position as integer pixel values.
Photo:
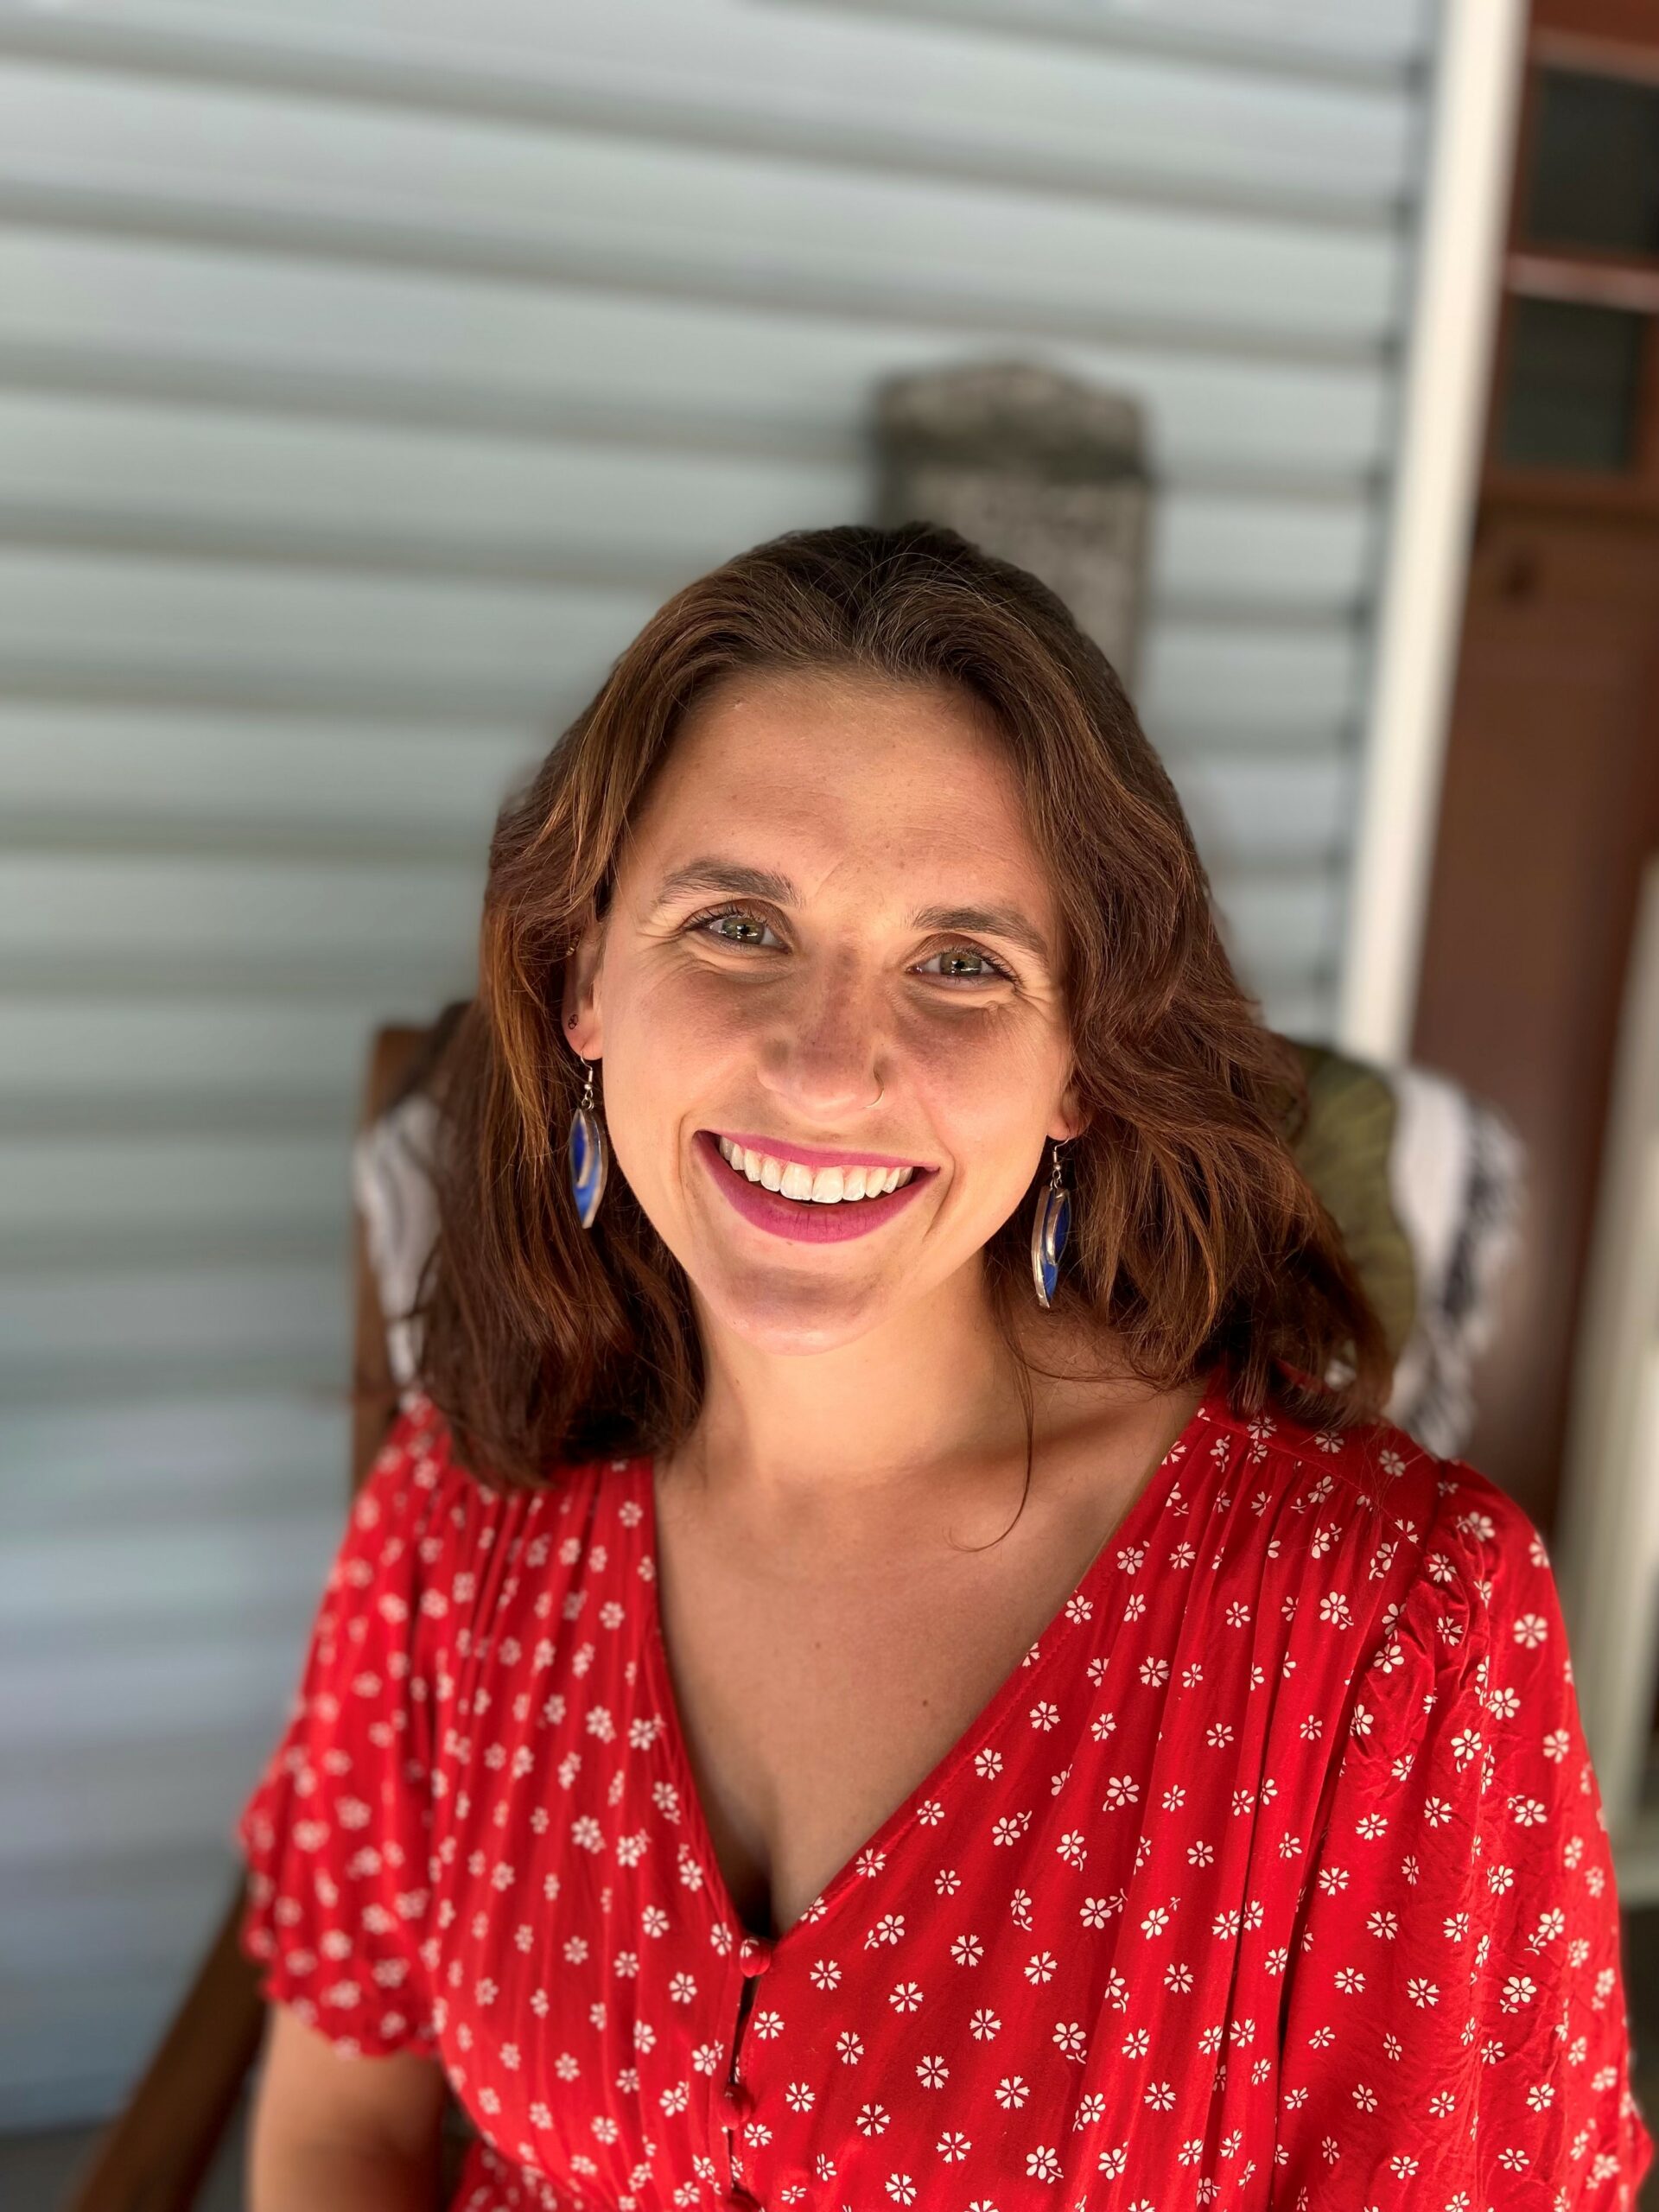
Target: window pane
(1595, 163)
(1572, 385)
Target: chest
(811, 1710)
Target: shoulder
(418, 1476)
(425, 1519)
(1453, 1518)
(414, 1493)
(1418, 1554)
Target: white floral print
(1274, 1876)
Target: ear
(578, 1005)
(1071, 1116)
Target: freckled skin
(836, 1022)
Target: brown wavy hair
(1194, 1236)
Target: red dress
(1273, 1876)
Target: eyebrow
(711, 875)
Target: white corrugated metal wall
(369, 370)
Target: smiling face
(846, 1006)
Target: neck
(829, 1450)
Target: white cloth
(391, 1183)
(1456, 1176)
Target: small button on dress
(1274, 1875)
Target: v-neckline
(1143, 1510)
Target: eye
(992, 968)
(700, 922)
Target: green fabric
(1344, 1152)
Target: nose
(822, 1057)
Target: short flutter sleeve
(336, 1835)
(1454, 2034)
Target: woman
(889, 1657)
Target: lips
(802, 1220)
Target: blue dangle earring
(589, 1154)
(1050, 1221)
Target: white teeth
(823, 1186)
